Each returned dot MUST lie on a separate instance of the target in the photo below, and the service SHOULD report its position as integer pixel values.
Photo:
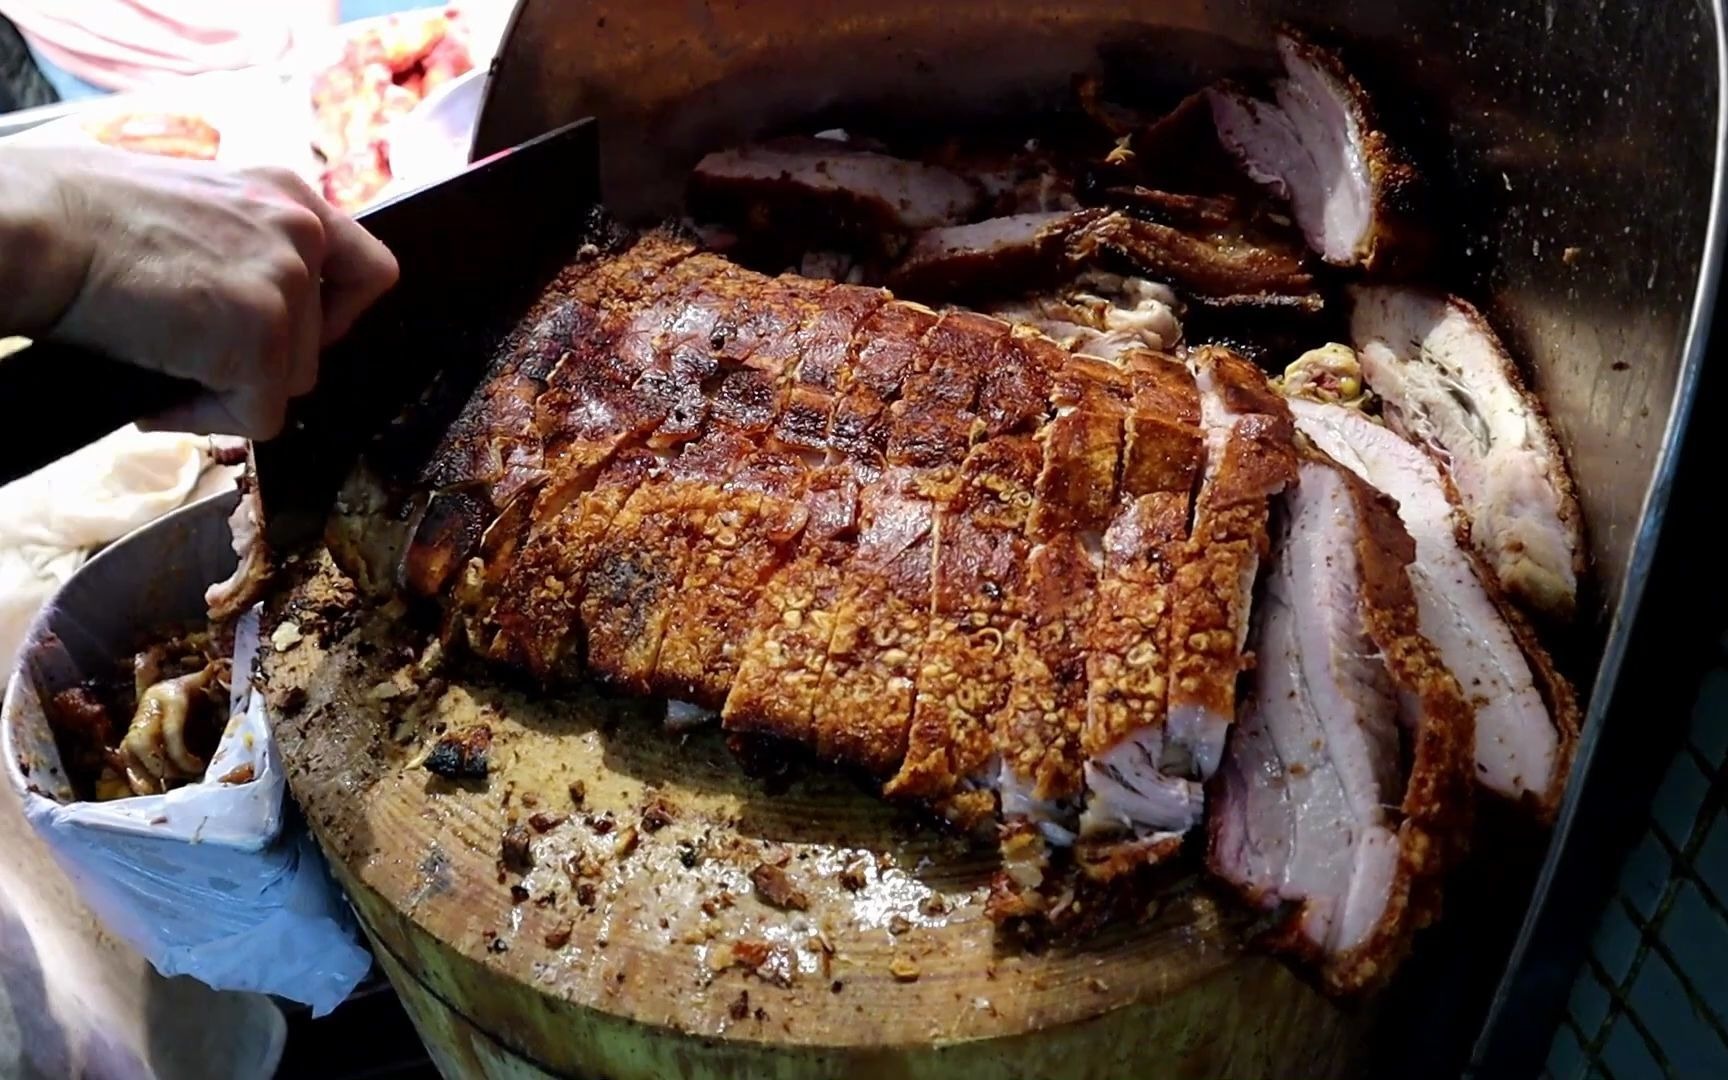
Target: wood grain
(637, 944)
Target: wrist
(43, 259)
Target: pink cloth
(125, 44)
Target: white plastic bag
(205, 880)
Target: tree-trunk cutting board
(615, 900)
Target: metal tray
(1581, 146)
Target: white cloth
(51, 520)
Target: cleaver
(474, 250)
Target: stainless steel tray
(1581, 146)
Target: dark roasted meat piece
(827, 188)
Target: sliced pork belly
(863, 703)
(1127, 664)
(744, 537)
(493, 452)
(966, 667)
(1225, 262)
(530, 614)
(1038, 731)
(826, 188)
(1526, 714)
(988, 257)
(1250, 457)
(1447, 383)
(1317, 144)
(784, 653)
(1316, 813)
(633, 580)
(806, 390)
(886, 347)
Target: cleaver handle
(61, 398)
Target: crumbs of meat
(464, 755)
(151, 722)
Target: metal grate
(1652, 998)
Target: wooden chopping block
(613, 900)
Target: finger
(308, 335)
(301, 289)
(358, 269)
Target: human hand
(234, 279)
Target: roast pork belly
(1345, 795)
(988, 257)
(1318, 144)
(1234, 261)
(826, 185)
(1447, 383)
(1129, 792)
(1250, 457)
(1526, 712)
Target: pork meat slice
(1526, 713)
(783, 652)
(1448, 384)
(827, 187)
(865, 697)
(1231, 262)
(1129, 792)
(1040, 781)
(966, 667)
(1315, 813)
(987, 257)
(1250, 457)
(1317, 144)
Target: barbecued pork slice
(1250, 457)
(1232, 261)
(1038, 730)
(966, 666)
(1318, 144)
(1316, 812)
(1127, 664)
(1526, 713)
(823, 188)
(1448, 384)
(785, 649)
(989, 257)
